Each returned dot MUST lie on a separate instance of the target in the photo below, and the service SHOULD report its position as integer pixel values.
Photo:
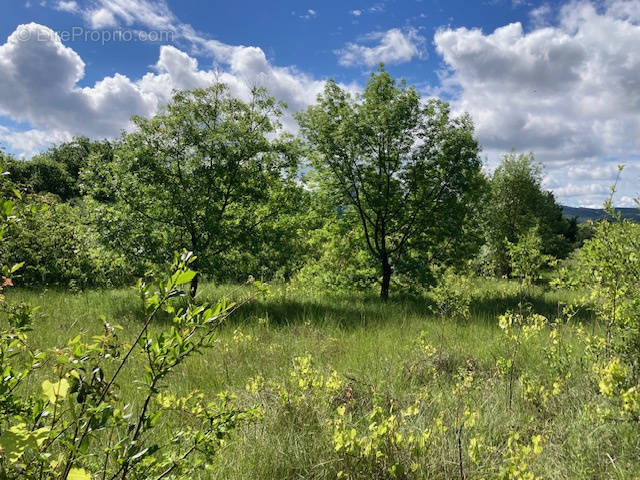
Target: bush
(59, 248)
(338, 261)
(80, 427)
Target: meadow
(321, 365)
(421, 319)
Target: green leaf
(79, 474)
(17, 267)
(55, 391)
(184, 277)
(6, 207)
(14, 441)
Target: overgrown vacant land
(414, 318)
(344, 383)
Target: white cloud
(70, 6)
(241, 67)
(310, 14)
(40, 79)
(39, 76)
(569, 92)
(628, 202)
(593, 172)
(28, 143)
(356, 13)
(540, 15)
(393, 46)
(573, 190)
(101, 18)
(109, 13)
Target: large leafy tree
(204, 174)
(409, 169)
(516, 204)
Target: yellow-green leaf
(55, 391)
(79, 474)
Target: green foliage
(277, 248)
(517, 328)
(80, 426)
(206, 174)
(57, 171)
(518, 203)
(452, 296)
(60, 248)
(607, 267)
(526, 259)
(410, 171)
(336, 259)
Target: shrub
(526, 258)
(80, 427)
(59, 248)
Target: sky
(560, 79)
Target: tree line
(378, 188)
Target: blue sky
(556, 78)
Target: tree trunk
(386, 278)
(195, 263)
(194, 285)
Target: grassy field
(394, 356)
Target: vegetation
(518, 203)
(411, 172)
(499, 352)
(272, 352)
(203, 176)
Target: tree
(516, 204)
(526, 257)
(201, 175)
(58, 169)
(410, 170)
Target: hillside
(586, 214)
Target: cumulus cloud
(40, 76)
(30, 142)
(627, 202)
(593, 172)
(393, 46)
(569, 92)
(540, 15)
(573, 190)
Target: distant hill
(586, 214)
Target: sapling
(82, 426)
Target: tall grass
(372, 345)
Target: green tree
(57, 170)
(410, 170)
(607, 267)
(526, 258)
(204, 174)
(517, 202)
(59, 246)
